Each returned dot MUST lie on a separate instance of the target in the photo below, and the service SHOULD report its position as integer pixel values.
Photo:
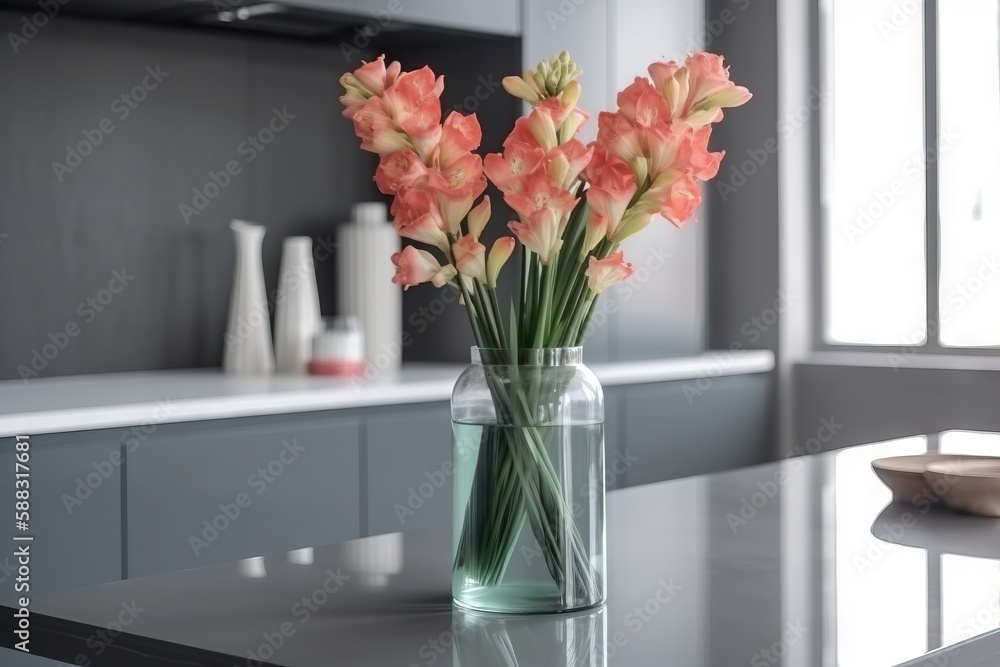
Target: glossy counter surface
(800, 564)
(84, 402)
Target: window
(910, 170)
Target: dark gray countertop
(799, 564)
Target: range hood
(296, 18)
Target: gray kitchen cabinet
(75, 518)
(228, 489)
(410, 472)
(10, 658)
(498, 17)
(683, 428)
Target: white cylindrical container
(339, 349)
(247, 349)
(297, 317)
(365, 287)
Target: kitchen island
(801, 563)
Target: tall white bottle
(365, 287)
(297, 317)
(247, 348)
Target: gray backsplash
(63, 236)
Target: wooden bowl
(970, 485)
(904, 475)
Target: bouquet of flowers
(574, 205)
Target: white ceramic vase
(297, 318)
(365, 287)
(247, 349)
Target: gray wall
(120, 206)
(743, 238)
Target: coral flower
(501, 251)
(507, 170)
(539, 232)
(470, 257)
(414, 267)
(399, 170)
(603, 273)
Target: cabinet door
(75, 510)
(498, 17)
(409, 468)
(676, 429)
(237, 488)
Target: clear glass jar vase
(529, 483)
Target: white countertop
(84, 402)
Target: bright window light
(969, 185)
(874, 174)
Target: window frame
(821, 141)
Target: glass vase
(529, 531)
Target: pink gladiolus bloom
(478, 217)
(603, 273)
(577, 156)
(501, 251)
(416, 217)
(537, 129)
(460, 135)
(470, 257)
(375, 76)
(660, 72)
(541, 193)
(698, 91)
(414, 267)
(597, 230)
(610, 193)
(399, 170)
(507, 170)
(465, 171)
(704, 162)
(643, 105)
(539, 232)
(679, 199)
(376, 129)
(617, 133)
(669, 149)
